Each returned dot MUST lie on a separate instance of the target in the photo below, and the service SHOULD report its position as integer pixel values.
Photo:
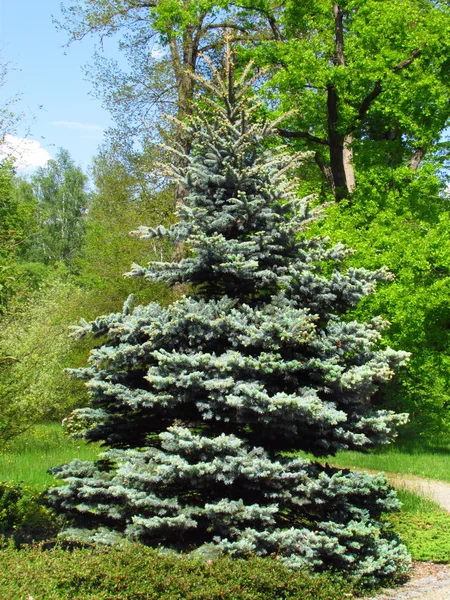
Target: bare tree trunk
(416, 159)
(347, 157)
(341, 153)
(184, 57)
(339, 34)
(183, 93)
(326, 171)
(336, 141)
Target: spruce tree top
(241, 219)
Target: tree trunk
(416, 159)
(336, 141)
(347, 156)
(326, 171)
(341, 153)
(184, 59)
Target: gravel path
(428, 581)
(438, 491)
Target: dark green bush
(137, 573)
(10, 495)
(22, 515)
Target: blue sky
(54, 96)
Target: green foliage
(22, 514)
(358, 75)
(17, 222)
(27, 210)
(11, 512)
(34, 350)
(121, 201)
(424, 527)
(41, 225)
(6, 229)
(134, 572)
(61, 190)
(8, 208)
(377, 37)
(404, 226)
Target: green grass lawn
(27, 457)
(427, 462)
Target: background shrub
(22, 514)
(35, 348)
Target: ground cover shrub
(134, 572)
(424, 528)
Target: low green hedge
(135, 572)
(423, 526)
(427, 536)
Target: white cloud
(76, 125)
(27, 154)
(157, 52)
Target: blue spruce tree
(202, 404)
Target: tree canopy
(368, 80)
(61, 191)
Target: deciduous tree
(368, 79)
(121, 200)
(61, 191)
